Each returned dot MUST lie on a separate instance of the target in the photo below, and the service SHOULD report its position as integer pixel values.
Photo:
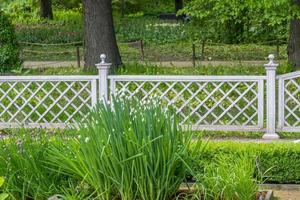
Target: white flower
(86, 139)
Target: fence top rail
(289, 75)
(184, 78)
(48, 78)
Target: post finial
(271, 63)
(103, 58)
(271, 58)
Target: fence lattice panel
(201, 101)
(289, 102)
(45, 101)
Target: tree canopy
(243, 20)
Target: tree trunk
(122, 8)
(99, 33)
(294, 42)
(46, 9)
(178, 5)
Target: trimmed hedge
(281, 161)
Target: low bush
(281, 161)
(9, 48)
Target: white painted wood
(112, 87)
(289, 75)
(103, 69)
(185, 78)
(94, 92)
(47, 78)
(260, 98)
(271, 96)
(33, 125)
(224, 128)
(290, 129)
(289, 102)
(131, 88)
(29, 93)
(281, 104)
(230, 103)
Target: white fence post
(103, 69)
(271, 99)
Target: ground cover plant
(23, 166)
(278, 162)
(230, 177)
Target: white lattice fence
(289, 102)
(205, 102)
(47, 101)
(210, 102)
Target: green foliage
(9, 48)
(153, 30)
(67, 4)
(242, 21)
(20, 10)
(150, 69)
(229, 134)
(230, 177)
(3, 196)
(66, 27)
(128, 150)
(280, 161)
(23, 164)
(148, 7)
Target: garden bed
(135, 150)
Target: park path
(55, 64)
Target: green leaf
(3, 196)
(1, 181)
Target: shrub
(9, 48)
(128, 150)
(281, 161)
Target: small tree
(9, 47)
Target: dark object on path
(172, 16)
(167, 16)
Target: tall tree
(294, 41)
(99, 33)
(46, 9)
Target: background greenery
(163, 40)
(9, 47)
